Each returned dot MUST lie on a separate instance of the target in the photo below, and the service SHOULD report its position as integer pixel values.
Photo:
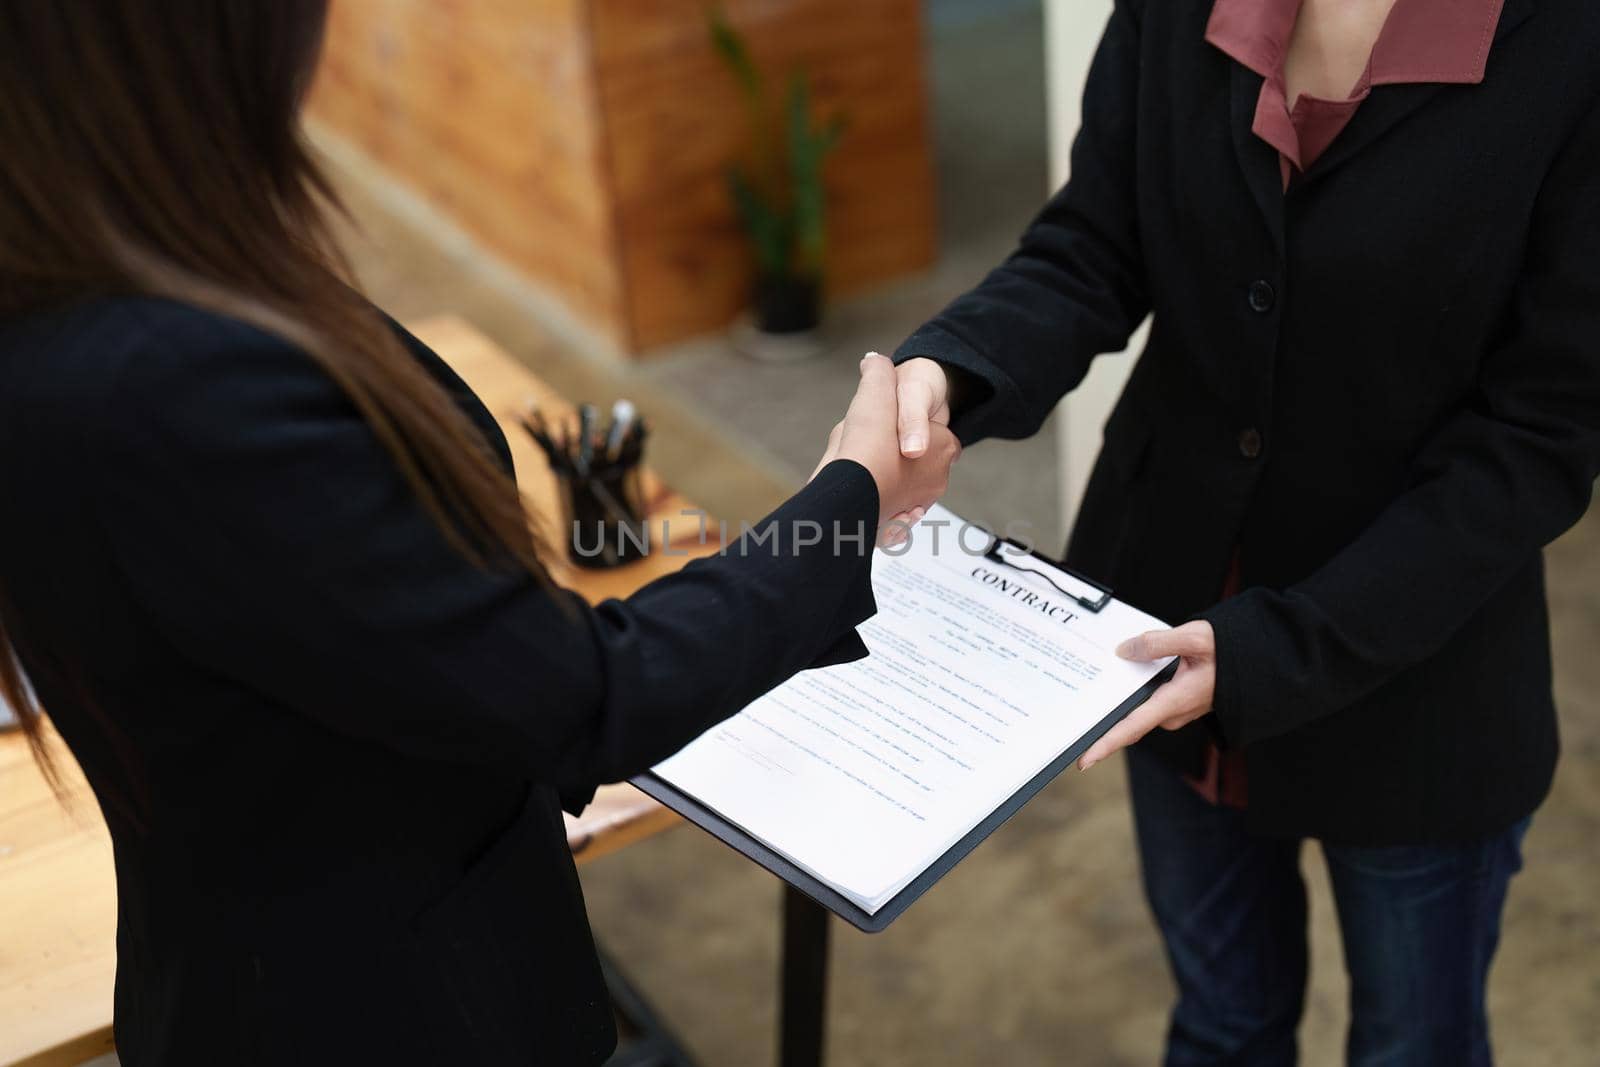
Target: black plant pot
(788, 305)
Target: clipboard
(736, 838)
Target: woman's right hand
(869, 435)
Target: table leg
(803, 996)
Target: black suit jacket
(1382, 388)
(329, 749)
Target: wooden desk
(57, 892)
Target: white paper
(980, 675)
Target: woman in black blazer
(1370, 398)
(263, 562)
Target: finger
(916, 407)
(1127, 732)
(932, 472)
(1139, 722)
(875, 393)
(1165, 703)
(1190, 639)
(926, 370)
(895, 531)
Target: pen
(623, 415)
(586, 419)
(533, 422)
(632, 446)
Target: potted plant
(779, 194)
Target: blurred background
(558, 174)
(593, 184)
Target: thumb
(916, 405)
(1158, 644)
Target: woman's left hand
(1178, 703)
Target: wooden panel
(487, 109)
(674, 120)
(586, 141)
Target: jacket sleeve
(1507, 474)
(270, 538)
(1073, 289)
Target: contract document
(987, 665)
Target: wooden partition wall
(586, 141)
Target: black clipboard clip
(994, 555)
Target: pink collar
(1444, 41)
(1423, 41)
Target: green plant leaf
(781, 199)
(809, 147)
(768, 228)
(730, 45)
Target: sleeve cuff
(987, 391)
(1230, 703)
(842, 500)
(848, 649)
(575, 799)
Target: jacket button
(1262, 296)
(1250, 443)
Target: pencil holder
(606, 524)
(598, 468)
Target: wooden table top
(57, 891)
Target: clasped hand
(869, 434)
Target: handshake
(897, 427)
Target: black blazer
(1382, 388)
(334, 800)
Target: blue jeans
(1419, 925)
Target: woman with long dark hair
(263, 560)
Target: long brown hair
(154, 147)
